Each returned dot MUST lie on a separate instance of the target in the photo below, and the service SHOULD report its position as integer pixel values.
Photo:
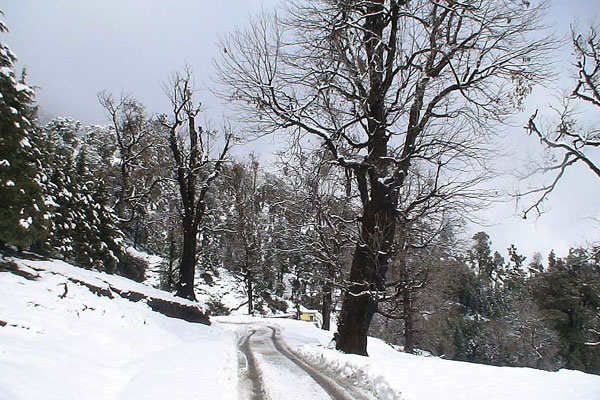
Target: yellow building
(309, 315)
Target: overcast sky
(73, 49)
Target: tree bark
(249, 289)
(187, 269)
(326, 306)
(357, 312)
(171, 258)
(409, 337)
(368, 271)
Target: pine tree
(96, 238)
(515, 269)
(21, 214)
(83, 228)
(569, 298)
(481, 257)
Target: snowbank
(58, 340)
(61, 341)
(389, 374)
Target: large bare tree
(386, 85)
(195, 169)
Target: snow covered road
(270, 371)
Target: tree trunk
(357, 312)
(409, 337)
(187, 269)
(136, 234)
(326, 306)
(171, 258)
(378, 223)
(249, 289)
(368, 271)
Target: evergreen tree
(569, 297)
(83, 225)
(515, 268)
(481, 257)
(97, 239)
(551, 260)
(21, 213)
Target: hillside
(220, 290)
(59, 340)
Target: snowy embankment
(389, 374)
(59, 340)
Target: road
(270, 371)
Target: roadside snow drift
(59, 340)
(388, 374)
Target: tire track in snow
(252, 375)
(334, 388)
(253, 347)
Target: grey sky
(75, 48)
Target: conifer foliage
(21, 214)
(83, 225)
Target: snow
(23, 88)
(58, 340)
(26, 223)
(279, 374)
(226, 289)
(389, 374)
(82, 346)
(25, 142)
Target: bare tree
(247, 230)
(322, 221)
(386, 85)
(195, 169)
(569, 141)
(134, 137)
(428, 212)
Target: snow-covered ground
(58, 340)
(223, 288)
(83, 346)
(389, 374)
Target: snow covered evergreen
(84, 227)
(22, 208)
